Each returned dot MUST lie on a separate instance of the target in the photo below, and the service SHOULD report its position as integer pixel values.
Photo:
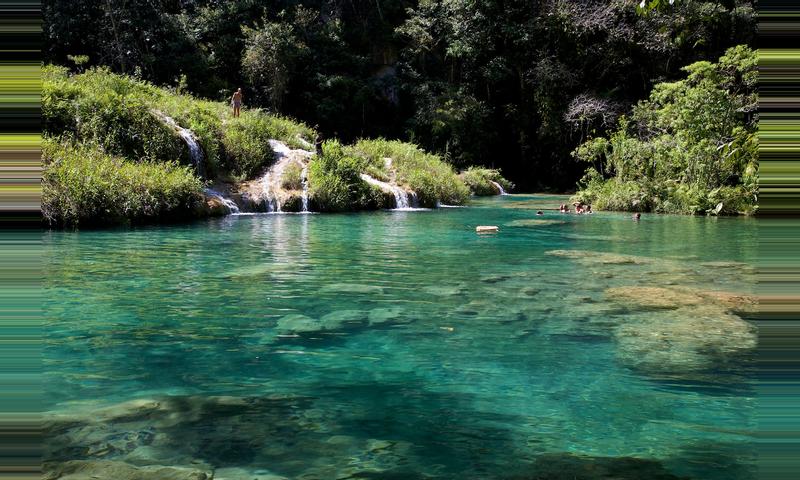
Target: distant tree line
(513, 84)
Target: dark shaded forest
(511, 84)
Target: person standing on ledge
(236, 103)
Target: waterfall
(270, 201)
(499, 187)
(271, 182)
(400, 195)
(188, 137)
(304, 198)
(229, 204)
(196, 157)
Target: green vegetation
(81, 185)
(479, 181)
(690, 148)
(426, 174)
(335, 184)
(122, 115)
(534, 89)
(292, 178)
(513, 83)
(98, 123)
(111, 156)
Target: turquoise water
(424, 350)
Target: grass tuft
(82, 185)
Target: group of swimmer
(580, 208)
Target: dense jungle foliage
(510, 84)
(691, 147)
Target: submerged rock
(726, 264)
(648, 297)
(113, 470)
(384, 315)
(356, 288)
(341, 318)
(530, 291)
(296, 323)
(443, 290)
(567, 466)
(736, 302)
(188, 433)
(684, 340)
(259, 270)
(534, 222)
(653, 297)
(495, 278)
(600, 258)
(233, 473)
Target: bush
(118, 113)
(100, 111)
(690, 148)
(335, 183)
(292, 178)
(432, 179)
(81, 185)
(479, 181)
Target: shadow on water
(394, 428)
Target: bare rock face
(106, 469)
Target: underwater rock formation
(567, 466)
(684, 340)
(210, 437)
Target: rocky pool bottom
(403, 345)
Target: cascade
(304, 198)
(229, 204)
(188, 137)
(196, 157)
(499, 187)
(401, 200)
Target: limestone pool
(402, 345)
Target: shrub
(479, 181)
(335, 182)
(247, 151)
(81, 185)
(118, 113)
(292, 178)
(431, 178)
(690, 148)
